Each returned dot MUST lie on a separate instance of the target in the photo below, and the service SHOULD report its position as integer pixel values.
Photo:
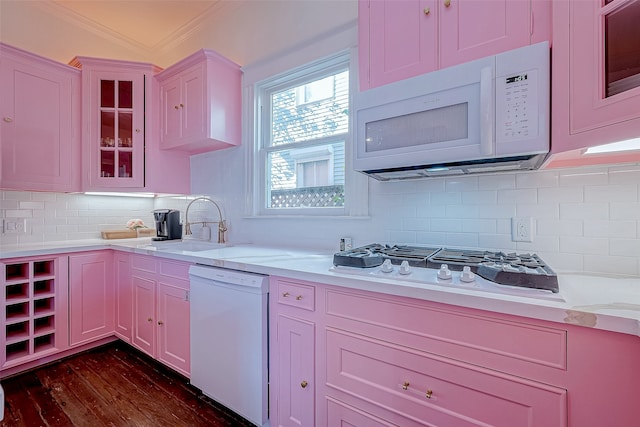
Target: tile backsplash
(584, 219)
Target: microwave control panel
(517, 106)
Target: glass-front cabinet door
(605, 62)
(118, 137)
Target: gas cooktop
(510, 269)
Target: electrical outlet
(522, 229)
(346, 244)
(14, 225)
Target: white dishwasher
(229, 339)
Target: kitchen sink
(185, 245)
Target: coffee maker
(168, 225)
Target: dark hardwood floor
(113, 385)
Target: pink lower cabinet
(91, 296)
(34, 302)
(160, 299)
(383, 360)
(123, 289)
(293, 350)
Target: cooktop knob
(404, 268)
(467, 275)
(386, 266)
(444, 272)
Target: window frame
(262, 125)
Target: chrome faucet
(222, 225)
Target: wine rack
(29, 301)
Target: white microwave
(487, 115)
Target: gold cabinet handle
(286, 294)
(8, 120)
(304, 384)
(160, 322)
(447, 3)
(427, 11)
(137, 130)
(176, 107)
(299, 297)
(181, 105)
(149, 319)
(405, 385)
(429, 393)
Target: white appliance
(229, 339)
(487, 115)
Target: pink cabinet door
(173, 327)
(144, 313)
(124, 305)
(296, 363)
(398, 39)
(590, 105)
(471, 29)
(40, 123)
(172, 111)
(91, 296)
(194, 110)
(116, 144)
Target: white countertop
(599, 302)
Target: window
(303, 139)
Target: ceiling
(146, 23)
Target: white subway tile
(496, 211)
(479, 225)
(18, 213)
(540, 244)
(563, 262)
(465, 240)
(454, 198)
(537, 179)
(480, 197)
(602, 228)
(66, 228)
(431, 238)
(415, 224)
(580, 177)
(611, 193)
(537, 210)
(496, 182)
(526, 195)
(570, 211)
(624, 210)
(584, 245)
(432, 211)
(503, 226)
(625, 247)
(548, 196)
(9, 204)
(461, 183)
(43, 197)
(446, 225)
(496, 241)
(611, 265)
(30, 205)
(402, 237)
(559, 227)
(624, 174)
(461, 211)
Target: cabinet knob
(160, 322)
(405, 385)
(429, 393)
(447, 3)
(181, 105)
(286, 294)
(8, 120)
(137, 130)
(176, 107)
(299, 297)
(304, 384)
(149, 319)
(427, 11)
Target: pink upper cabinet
(40, 123)
(596, 79)
(120, 124)
(405, 38)
(200, 103)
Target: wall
(585, 219)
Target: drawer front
(341, 414)
(296, 295)
(175, 269)
(492, 342)
(144, 263)
(435, 390)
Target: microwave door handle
(486, 111)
